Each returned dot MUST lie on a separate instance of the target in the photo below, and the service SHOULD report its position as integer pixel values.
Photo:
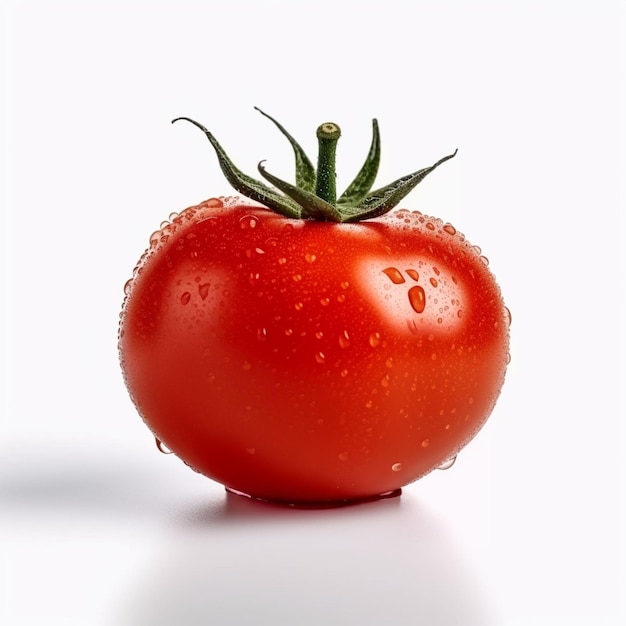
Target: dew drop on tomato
(396, 467)
(394, 275)
(344, 340)
(162, 447)
(185, 298)
(413, 274)
(248, 221)
(447, 464)
(417, 298)
(214, 203)
(508, 316)
(374, 340)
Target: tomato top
(314, 194)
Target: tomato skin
(305, 361)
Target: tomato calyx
(314, 195)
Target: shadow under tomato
(248, 562)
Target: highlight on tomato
(309, 347)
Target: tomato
(300, 360)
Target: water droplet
(425, 443)
(282, 261)
(248, 221)
(345, 284)
(385, 380)
(342, 456)
(433, 282)
(389, 363)
(288, 332)
(341, 298)
(161, 446)
(413, 274)
(154, 237)
(297, 278)
(344, 373)
(448, 228)
(203, 290)
(430, 226)
(298, 306)
(374, 340)
(459, 313)
(396, 467)
(310, 258)
(261, 334)
(484, 260)
(417, 298)
(253, 277)
(320, 358)
(344, 340)
(325, 301)
(164, 224)
(127, 285)
(319, 334)
(507, 316)
(447, 464)
(184, 299)
(172, 216)
(394, 275)
(477, 249)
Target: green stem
(326, 184)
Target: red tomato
(305, 361)
(325, 350)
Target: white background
(97, 527)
